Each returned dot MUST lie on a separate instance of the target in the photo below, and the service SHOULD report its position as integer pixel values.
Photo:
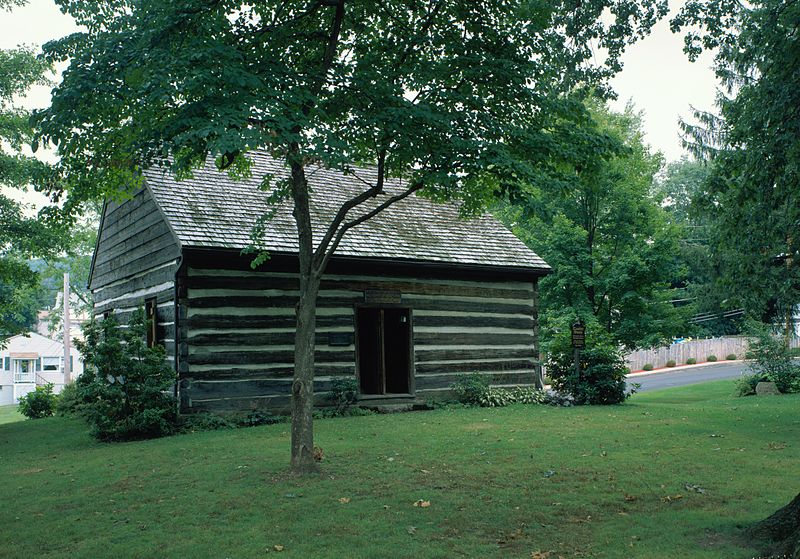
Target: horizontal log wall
(136, 259)
(237, 333)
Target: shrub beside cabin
(413, 297)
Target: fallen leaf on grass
(344, 500)
(277, 547)
(540, 555)
(422, 504)
(671, 498)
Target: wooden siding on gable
(237, 333)
(136, 259)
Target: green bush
(343, 394)
(772, 359)
(474, 390)
(125, 392)
(207, 421)
(258, 417)
(711, 358)
(647, 367)
(601, 379)
(691, 361)
(671, 363)
(69, 400)
(38, 403)
(528, 395)
(746, 384)
(204, 421)
(471, 389)
(731, 357)
(496, 398)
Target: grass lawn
(9, 414)
(509, 482)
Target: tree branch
(361, 219)
(333, 41)
(341, 215)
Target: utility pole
(67, 344)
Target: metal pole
(67, 341)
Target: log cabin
(413, 297)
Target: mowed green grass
(578, 482)
(9, 414)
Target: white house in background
(30, 360)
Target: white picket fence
(699, 350)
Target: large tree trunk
(782, 531)
(303, 385)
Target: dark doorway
(384, 350)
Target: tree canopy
(459, 99)
(608, 240)
(440, 89)
(22, 236)
(753, 141)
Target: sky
(657, 77)
(660, 81)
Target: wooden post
(67, 344)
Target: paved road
(690, 375)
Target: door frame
(412, 388)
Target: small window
(152, 322)
(51, 363)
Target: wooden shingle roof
(210, 210)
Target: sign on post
(578, 343)
(578, 335)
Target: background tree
(753, 188)
(608, 240)
(21, 236)
(754, 184)
(76, 260)
(447, 95)
(681, 189)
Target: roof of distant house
(211, 210)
